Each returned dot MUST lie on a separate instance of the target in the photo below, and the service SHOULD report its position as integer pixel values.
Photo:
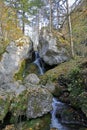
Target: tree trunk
(23, 23)
(57, 17)
(70, 29)
(50, 15)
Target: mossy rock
(42, 123)
(19, 104)
(32, 69)
(83, 102)
(62, 69)
(4, 105)
(19, 74)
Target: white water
(55, 123)
(38, 62)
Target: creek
(48, 123)
(57, 105)
(56, 123)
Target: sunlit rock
(51, 50)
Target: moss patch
(4, 106)
(19, 105)
(42, 123)
(19, 74)
(62, 69)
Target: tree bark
(70, 29)
(50, 15)
(23, 23)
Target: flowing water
(57, 105)
(39, 63)
(55, 122)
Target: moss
(62, 69)
(32, 69)
(4, 106)
(19, 74)
(83, 102)
(25, 69)
(19, 104)
(73, 82)
(75, 86)
(42, 123)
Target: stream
(57, 105)
(55, 122)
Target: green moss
(75, 86)
(83, 102)
(32, 69)
(62, 69)
(19, 74)
(4, 106)
(19, 104)
(42, 123)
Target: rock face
(11, 60)
(27, 99)
(49, 50)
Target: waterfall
(39, 63)
(55, 123)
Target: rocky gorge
(30, 96)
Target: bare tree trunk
(38, 20)
(70, 29)
(23, 23)
(57, 16)
(50, 15)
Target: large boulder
(32, 101)
(50, 49)
(39, 102)
(15, 53)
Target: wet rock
(68, 115)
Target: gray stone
(50, 87)
(21, 100)
(39, 102)
(11, 60)
(32, 78)
(49, 50)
